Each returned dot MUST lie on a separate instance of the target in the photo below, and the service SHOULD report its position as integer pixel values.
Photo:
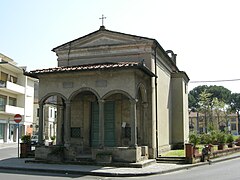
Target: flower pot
(221, 146)
(25, 148)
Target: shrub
(230, 138)
(206, 139)
(26, 139)
(221, 138)
(213, 135)
(194, 138)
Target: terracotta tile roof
(90, 67)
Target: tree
(220, 92)
(209, 100)
(204, 106)
(219, 107)
(235, 106)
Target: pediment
(103, 38)
(100, 41)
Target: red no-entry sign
(17, 118)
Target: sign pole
(18, 119)
(18, 138)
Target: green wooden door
(95, 125)
(109, 124)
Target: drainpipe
(156, 102)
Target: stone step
(173, 160)
(84, 158)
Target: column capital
(101, 101)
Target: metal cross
(102, 18)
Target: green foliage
(221, 138)
(26, 139)
(53, 138)
(206, 138)
(230, 138)
(219, 92)
(235, 102)
(194, 138)
(213, 135)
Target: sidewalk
(156, 168)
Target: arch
(82, 90)
(143, 92)
(108, 94)
(41, 101)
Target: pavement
(18, 164)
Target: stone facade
(116, 92)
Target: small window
(3, 102)
(127, 132)
(13, 79)
(4, 76)
(75, 132)
(12, 101)
(233, 127)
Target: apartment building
(16, 97)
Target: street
(221, 171)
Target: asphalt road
(226, 170)
(8, 151)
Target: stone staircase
(171, 160)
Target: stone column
(40, 128)
(67, 123)
(60, 116)
(133, 115)
(101, 123)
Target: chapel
(117, 94)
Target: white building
(16, 97)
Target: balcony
(11, 110)
(11, 87)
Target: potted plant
(230, 140)
(221, 139)
(195, 140)
(25, 146)
(52, 139)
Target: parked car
(34, 139)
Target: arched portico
(60, 100)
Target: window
(75, 132)
(13, 79)
(12, 101)
(233, 127)
(3, 101)
(4, 76)
(1, 131)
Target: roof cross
(102, 18)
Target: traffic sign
(17, 118)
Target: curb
(111, 174)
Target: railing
(14, 109)
(9, 86)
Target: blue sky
(203, 33)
